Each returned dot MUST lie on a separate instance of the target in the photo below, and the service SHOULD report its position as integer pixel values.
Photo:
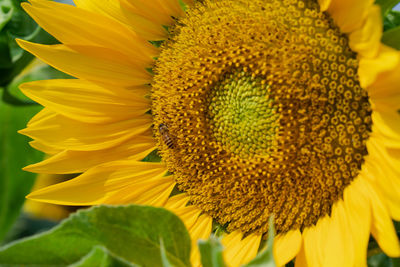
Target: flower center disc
(262, 112)
(241, 115)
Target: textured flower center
(264, 109)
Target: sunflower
(256, 107)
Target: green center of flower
(241, 115)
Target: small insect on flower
(166, 137)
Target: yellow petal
(85, 101)
(324, 4)
(63, 133)
(286, 246)
(301, 260)
(177, 202)
(382, 227)
(342, 239)
(386, 124)
(72, 25)
(86, 67)
(188, 214)
(358, 210)
(387, 84)
(349, 15)
(99, 183)
(384, 176)
(385, 104)
(147, 27)
(44, 148)
(152, 191)
(240, 251)
(314, 239)
(44, 114)
(69, 161)
(156, 10)
(367, 39)
(199, 227)
(200, 230)
(369, 68)
(172, 7)
(338, 247)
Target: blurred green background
(16, 67)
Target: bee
(165, 135)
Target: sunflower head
(258, 108)
(264, 105)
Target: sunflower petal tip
(22, 131)
(25, 5)
(32, 196)
(31, 168)
(22, 43)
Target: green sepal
(153, 156)
(211, 252)
(183, 5)
(130, 232)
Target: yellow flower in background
(257, 107)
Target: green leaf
(392, 37)
(392, 20)
(15, 153)
(386, 5)
(130, 232)
(381, 260)
(6, 12)
(38, 71)
(211, 252)
(99, 256)
(15, 23)
(266, 258)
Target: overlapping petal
(287, 246)
(61, 132)
(107, 70)
(349, 15)
(99, 184)
(76, 26)
(85, 101)
(72, 161)
(239, 250)
(199, 227)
